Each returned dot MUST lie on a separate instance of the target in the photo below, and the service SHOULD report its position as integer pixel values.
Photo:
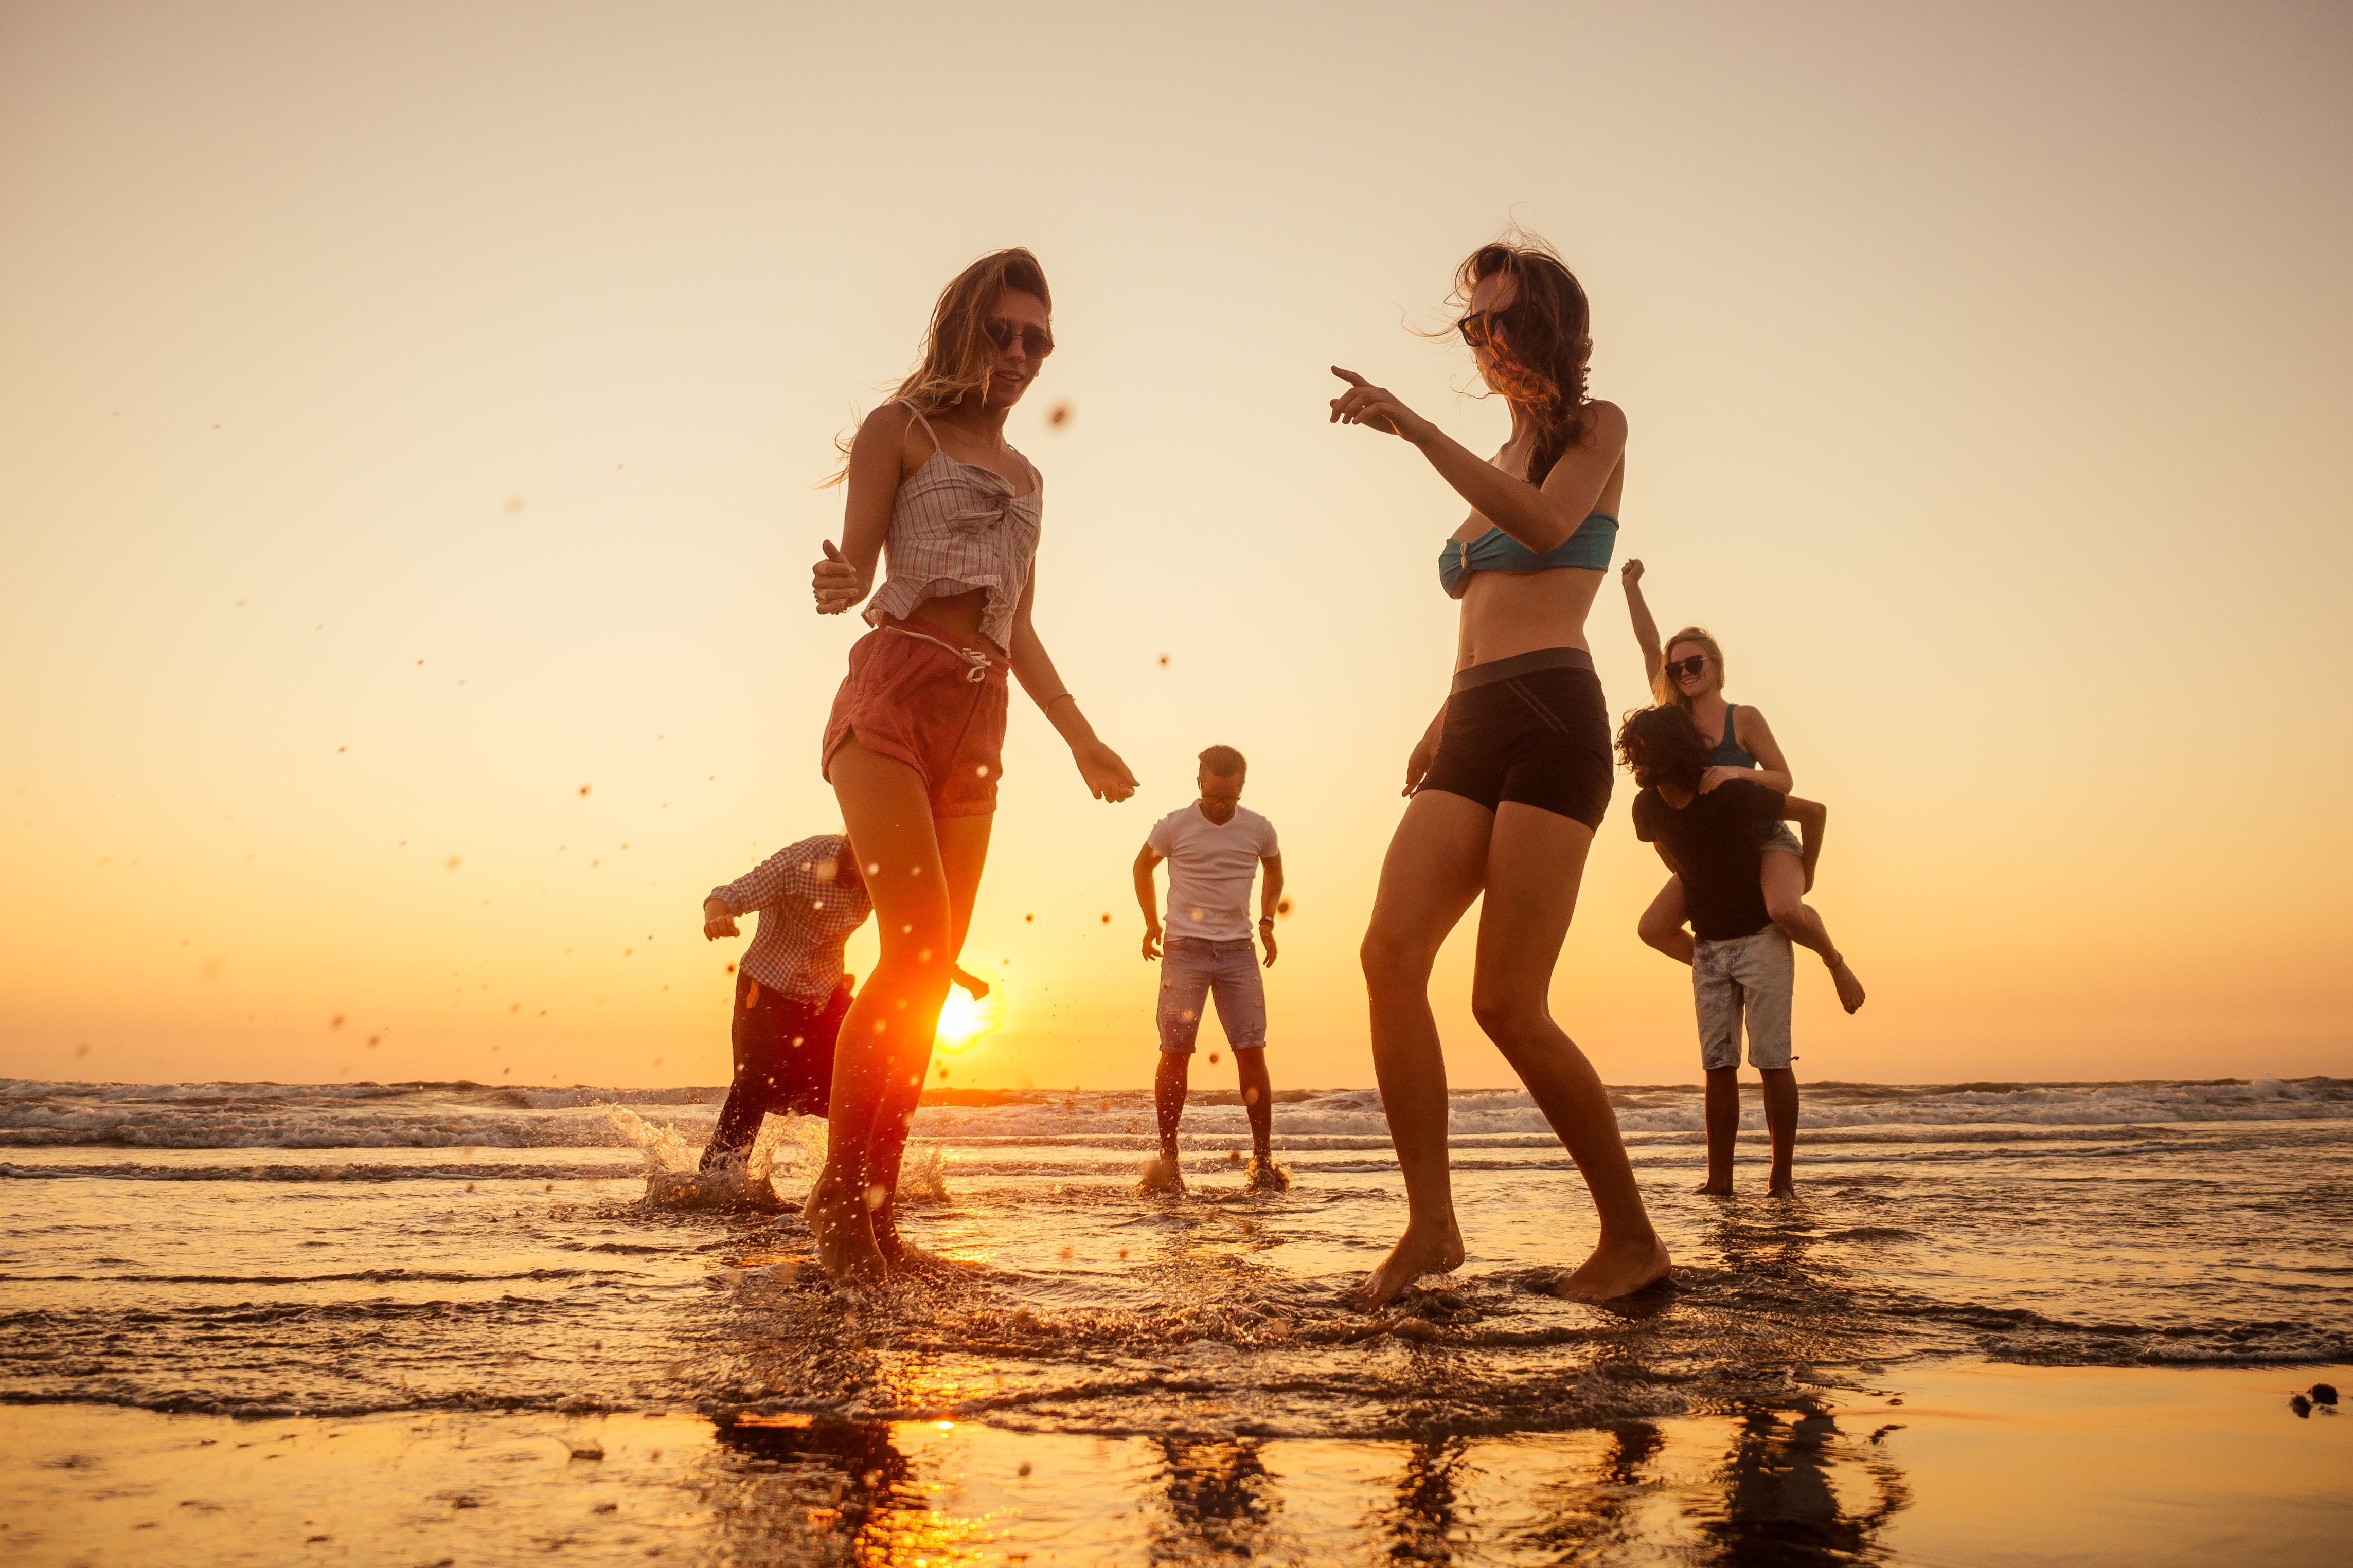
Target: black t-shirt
(1715, 840)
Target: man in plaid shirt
(791, 990)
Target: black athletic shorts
(1532, 729)
(783, 1060)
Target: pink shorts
(939, 712)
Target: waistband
(1521, 664)
(978, 657)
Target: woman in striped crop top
(915, 745)
(1511, 778)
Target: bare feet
(1616, 1268)
(1266, 1175)
(1850, 989)
(842, 1222)
(1417, 1252)
(1715, 1188)
(1160, 1174)
(1782, 1187)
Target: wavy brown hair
(1546, 337)
(958, 356)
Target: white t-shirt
(1209, 870)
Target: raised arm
(1107, 777)
(846, 575)
(1539, 519)
(1147, 894)
(1646, 630)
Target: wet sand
(1956, 1463)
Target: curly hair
(957, 356)
(1546, 338)
(1663, 743)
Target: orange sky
(412, 414)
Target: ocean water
(424, 1251)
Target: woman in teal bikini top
(1495, 551)
(1512, 777)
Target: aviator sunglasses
(1035, 340)
(1678, 669)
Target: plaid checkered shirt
(806, 913)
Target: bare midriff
(958, 613)
(1506, 614)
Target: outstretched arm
(1107, 777)
(1147, 894)
(1540, 518)
(847, 574)
(1646, 630)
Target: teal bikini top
(1495, 551)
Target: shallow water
(444, 1247)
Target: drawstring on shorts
(976, 663)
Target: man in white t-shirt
(1214, 849)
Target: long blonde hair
(958, 356)
(1667, 691)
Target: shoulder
(1748, 716)
(893, 428)
(1169, 827)
(1646, 812)
(1262, 825)
(815, 848)
(1604, 424)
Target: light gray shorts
(1191, 970)
(1744, 979)
(1777, 836)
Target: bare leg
(1784, 880)
(1435, 861)
(1662, 925)
(1258, 1099)
(964, 852)
(888, 1031)
(1723, 1127)
(1534, 863)
(1781, 1121)
(1171, 1082)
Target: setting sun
(964, 1021)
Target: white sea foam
(452, 1115)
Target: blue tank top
(1728, 752)
(1495, 551)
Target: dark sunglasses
(1679, 667)
(1035, 340)
(1478, 330)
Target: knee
(1786, 908)
(1507, 1020)
(1657, 928)
(1393, 961)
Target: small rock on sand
(2324, 1393)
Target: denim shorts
(1744, 980)
(1192, 969)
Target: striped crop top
(956, 527)
(1495, 551)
